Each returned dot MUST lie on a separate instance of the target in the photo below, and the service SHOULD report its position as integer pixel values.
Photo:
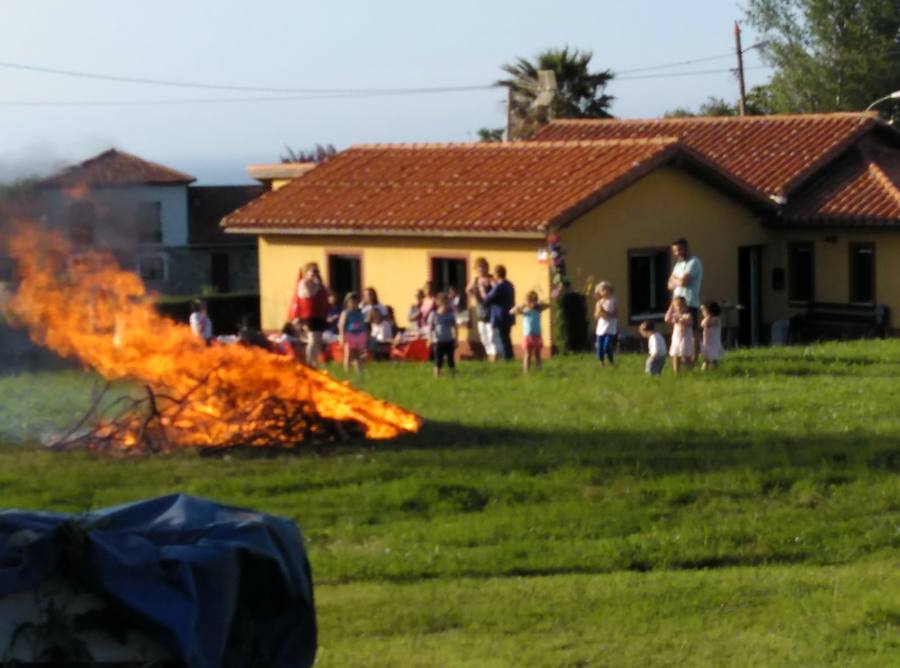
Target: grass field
(576, 517)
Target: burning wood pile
(85, 306)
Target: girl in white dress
(607, 314)
(711, 344)
(681, 350)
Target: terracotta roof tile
(773, 153)
(115, 168)
(486, 188)
(862, 188)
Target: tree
(580, 92)
(490, 134)
(757, 104)
(829, 55)
(319, 153)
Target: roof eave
(343, 231)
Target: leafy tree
(829, 55)
(319, 153)
(757, 104)
(490, 134)
(679, 112)
(580, 92)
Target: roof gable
(775, 154)
(523, 188)
(116, 168)
(862, 188)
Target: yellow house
(785, 212)
(834, 242)
(394, 217)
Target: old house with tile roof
(395, 216)
(155, 221)
(786, 212)
(834, 239)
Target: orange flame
(85, 306)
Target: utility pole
(740, 68)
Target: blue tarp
(217, 586)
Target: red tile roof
(773, 153)
(486, 188)
(862, 188)
(116, 168)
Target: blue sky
(328, 44)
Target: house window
(648, 275)
(446, 271)
(81, 223)
(152, 268)
(862, 273)
(345, 274)
(149, 223)
(801, 272)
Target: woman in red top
(312, 307)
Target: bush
(570, 327)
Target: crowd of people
(364, 328)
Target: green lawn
(576, 517)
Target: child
(711, 344)
(682, 347)
(531, 328)
(656, 347)
(334, 315)
(606, 312)
(382, 333)
(352, 327)
(200, 323)
(442, 325)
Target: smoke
(42, 157)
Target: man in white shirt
(685, 281)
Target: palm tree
(580, 92)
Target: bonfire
(83, 305)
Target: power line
(215, 100)
(245, 89)
(687, 74)
(307, 93)
(295, 98)
(679, 63)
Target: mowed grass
(578, 516)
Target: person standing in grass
(354, 335)
(501, 298)
(685, 281)
(312, 309)
(711, 324)
(682, 347)
(656, 348)
(478, 288)
(531, 329)
(442, 326)
(607, 314)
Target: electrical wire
(245, 89)
(307, 93)
(679, 63)
(689, 74)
